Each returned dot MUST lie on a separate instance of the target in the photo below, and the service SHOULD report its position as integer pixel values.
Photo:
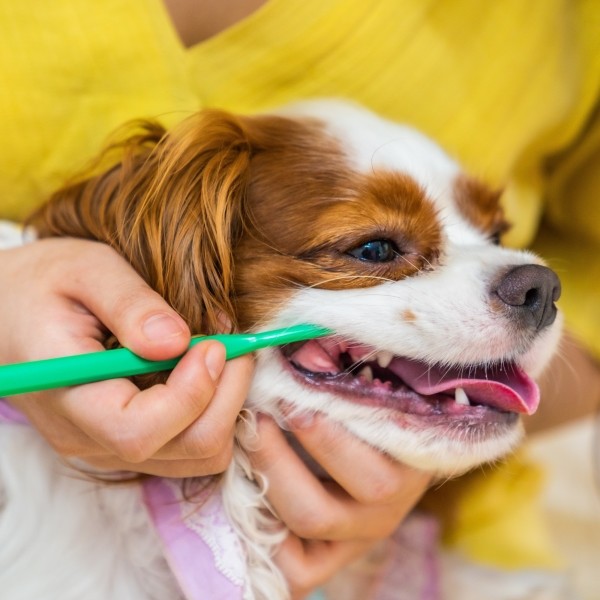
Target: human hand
(62, 297)
(570, 388)
(331, 522)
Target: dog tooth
(460, 397)
(384, 358)
(367, 373)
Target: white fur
(66, 537)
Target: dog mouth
(379, 378)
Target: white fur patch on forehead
(373, 142)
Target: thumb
(126, 305)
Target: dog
(322, 213)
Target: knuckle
(380, 491)
(312, 524)
(300, 583)
(132, 452)
(207, 445)
(210, 441)
(264, 458)
(90, 251)
(129, 447)
(197, 400)
(301, 578)
(222, 461)
(133, 298)
(63, 448)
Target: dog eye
(375, 251)
(500, 228)
(496, 238)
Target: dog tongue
(508, 389)
(313, 357)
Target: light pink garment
(199, 544)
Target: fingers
(574, 374)
(211, 434)
(345, 509)
(373, 477)
(307, 565)
(139, 317)
(182, 429)
(132, 424)
(331, 522)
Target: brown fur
(408, 316)
(172, 208)
(481, 206)
(276, 193)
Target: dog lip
(349, 366)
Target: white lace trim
(209, 522)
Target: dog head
(330, 215)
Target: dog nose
(532, 290)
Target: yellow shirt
(510, 88)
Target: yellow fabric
(492, 516)
(71, 72)
(508, 87)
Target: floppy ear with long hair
(173, 206)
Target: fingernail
(162, 326)
(215, 360)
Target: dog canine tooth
(384, 358)
(367, 373)
(460, 397)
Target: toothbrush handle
(41, 375)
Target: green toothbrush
(40, 375)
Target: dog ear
(173, 206)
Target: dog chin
(443, 451)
